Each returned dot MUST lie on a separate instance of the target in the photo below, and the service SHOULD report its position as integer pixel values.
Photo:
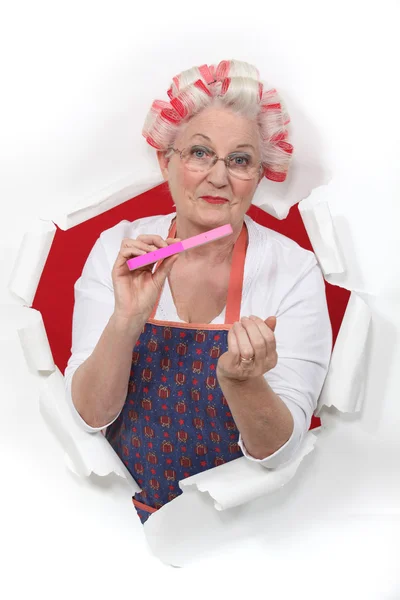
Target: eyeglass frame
(216, 159)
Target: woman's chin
(211, 221)
(213, 212)
(207, 215)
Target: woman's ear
(163, 162)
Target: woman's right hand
(137, 291)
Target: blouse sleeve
(304, 343)
(94, 305)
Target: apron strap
(235, 288)
(143, 506)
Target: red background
(55, 294)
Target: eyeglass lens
(240, 164)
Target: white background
(77, 79)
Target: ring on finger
(246, 360)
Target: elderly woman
(220, 351)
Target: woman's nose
(218, 174)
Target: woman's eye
(240, 160)
(199, 152)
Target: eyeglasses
(200, 159)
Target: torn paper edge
(277, 199)
(318, 222)
(89, 452)
(259, 481)
(38, 238)
(30, 261)
(109, 197)
(83, 453)
(344, 388)
(29, 327)
(34, 342)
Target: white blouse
(280, 279)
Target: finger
(270, 321)
(131, 252)
(257, 340)
(140, 245)
(131, 248)
(233, 345)
(152, 239)
(172, 240)
(246, 350)
(127, 253)
(266, 332)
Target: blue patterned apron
(175, 421)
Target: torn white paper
(190, 521)
(333, 244)
(34, 342)
(89, 452)
(277, 199)
(318, 222)
(345, 382)
(32, 256)
(214, 495)
(274, 198)
(188, 527)
(108, 198)
(242, 480)
(32, 336)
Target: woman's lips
(214, 199)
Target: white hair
(232, 84)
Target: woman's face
(223, 132)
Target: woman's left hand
(251, 338)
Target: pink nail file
(192, 242)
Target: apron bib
(175, 421)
